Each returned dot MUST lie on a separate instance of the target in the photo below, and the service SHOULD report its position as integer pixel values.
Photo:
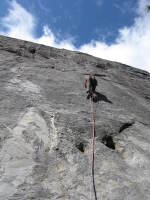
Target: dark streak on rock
(81, 146)
(125, 126)
(147, 98)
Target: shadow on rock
(108, 141)
(100, 97)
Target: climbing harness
(93, 146)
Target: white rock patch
(23, 86)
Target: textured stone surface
(46, 126)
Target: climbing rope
(93, 131)
(93, 146)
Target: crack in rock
(125, 126)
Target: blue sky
(110, 29)
(83, 20)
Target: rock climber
(91, 84)
(94, 84)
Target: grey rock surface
(46, 126)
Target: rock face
(46, 126)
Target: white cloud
(48, 38)
(19, 23)
(131, 47)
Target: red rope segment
(93, 146)
(93, 133)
